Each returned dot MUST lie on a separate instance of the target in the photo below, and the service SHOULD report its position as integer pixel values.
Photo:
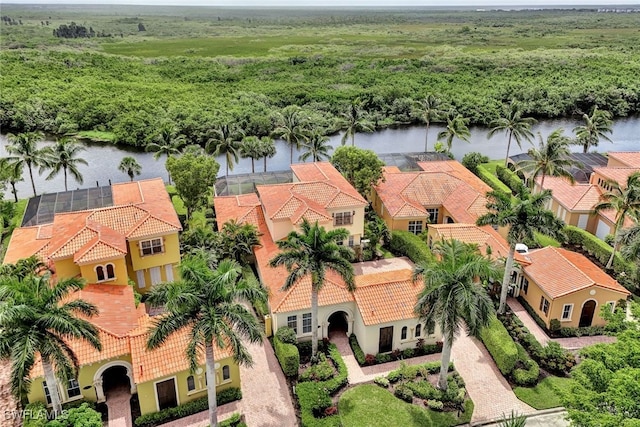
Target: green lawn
(546, 394)
(95, 135)
(370, 405)
(545, 241)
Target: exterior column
(97, 384)
(133, 384)
(349, 327)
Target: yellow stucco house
(443, 192)
(117, 238)
(379, 312)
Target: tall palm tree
(64, 156)
(24, 147)
(37, 317)
(168, 142)
(312, 252)
(625, 200)
(208, 305)
(226, 141)
(629, 240)
(130, 166)
(596, 126)
(251, 148)
(430, 111)
(267, 149)
(514, 125)
(292, 126)
(456, 128)
(452, 296)
(11, 171)
(355, 120)
(552, 158)
(316, 147)
(525, 215)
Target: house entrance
(338, 322)
(385, 344)
(115, 378)
(586, 316)
(166, 393)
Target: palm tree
(629, 240)
(452, 297)
(456, 128)
(238, 240)
(24, 147)
(130, 166)
(316, 147)
(207, 304)
(596, 126)
(64, 156)
(12, 173)
(552, 158)
(355, 120)
(37, 317)
(267, 149)
(625, 200)
(226, 141)
(514, 125)
(251, 148)
(168, 143)
(312, 252)
(430, 111)
(525, 215)
(291, 125)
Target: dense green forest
(201, 67)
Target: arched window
(111, 273)
(226, 373)
(191, 383)
(403, 334)
(418, 330)
(100, 273)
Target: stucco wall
(371, 336)
(66, 268)
(88, 271)
(171, 254)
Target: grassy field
(547, 394)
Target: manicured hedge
(527, 376)
(357, 350)
(234, 421)
(509, 178)
(408, 244)
(491, 180)
(288, 356)
(501, 346)
(186, 409)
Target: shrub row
(510, 178)
(408, 372)
(288, 356)
(500, 345)
(408, 244)
(314, 398)
(472, 160)
(421, 349)
(529, 373)
(81, 413)
(357, 350)
(491, 180)
(193, 407)
(624, 271)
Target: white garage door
(603, 229)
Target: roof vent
(521, 248)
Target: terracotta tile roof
(117, 311)
(442, 183)
(618, 175)
(151, 226)
(119, 218)
(559, 272)
(324, 171)
(629, 158)
(386, 297)
(485, 237)
(166, 359)
(574, 197)
(126, 193)
(24, 242)
(298, 297)
(45, 231)
(240, 208)
(97, 250)
(610, 216)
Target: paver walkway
(491, 394)
(546, 418)
(266, 401)
(574, 343)
(8, 405)
(119, 407)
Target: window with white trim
(292, 322)
(306, 323)
(100, 273)
(567, 310)
(351, 240)
(226, 373)
(343, 218)
(612, 304)
(151, 247)
(105, 272)
(434, 213)
(415, 227)
(403, 333)
(544, 305)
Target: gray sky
(475, 3)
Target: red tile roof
(629, 158)
(574, 197)
(387, 297)
(559, 272)
(618, 175)
(325, 172)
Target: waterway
(103, 159)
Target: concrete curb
(534, 414)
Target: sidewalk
(545, 418)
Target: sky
(298, 3)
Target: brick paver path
(119, 407)
(574, 343)
(266, 401)
(491, 394)
(7, 402)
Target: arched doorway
(586, 316)
(338, 323)
(113, 376)
(115, 379)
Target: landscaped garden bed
(421, 349)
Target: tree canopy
(362, 168)
(194, 175)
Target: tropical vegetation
(552, 158)
(64, 155)
(130, 166)
(24, 150)
(514, 125)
